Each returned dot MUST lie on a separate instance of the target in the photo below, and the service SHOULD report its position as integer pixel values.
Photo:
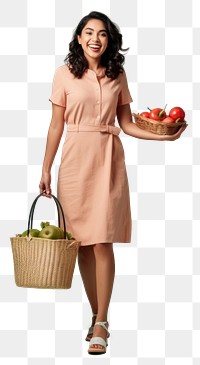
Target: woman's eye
(88, 33)
(103, 34)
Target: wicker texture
(157, 127)
(44, 263)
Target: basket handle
(58, 205)
(33, 208)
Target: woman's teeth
(94, 47)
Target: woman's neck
(94, 65)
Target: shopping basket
(41, 262)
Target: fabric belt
(93, 128)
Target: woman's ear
(79, 39)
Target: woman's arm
(53, 140)
(124, 117)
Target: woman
(88, 92)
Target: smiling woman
(88, 93)
(96, 38)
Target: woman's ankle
(101, 319)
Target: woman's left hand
(175, 136)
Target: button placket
(98, 103)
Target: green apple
(50, 232)
(33, 232)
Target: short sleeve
(58, 95)
(124, 95)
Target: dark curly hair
(111, 59)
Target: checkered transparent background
(155, 309)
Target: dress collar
(99, 75)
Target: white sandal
(99, 341)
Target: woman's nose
(95, 37)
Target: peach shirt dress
(92, 180)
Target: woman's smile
(94, 47)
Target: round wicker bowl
(155, 126)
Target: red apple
(168, 120)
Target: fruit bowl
(157, 127)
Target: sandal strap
(90, 331)
(102, 324)
(98, 341)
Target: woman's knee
(103, 248)
(85, 252)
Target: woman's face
(93, 39)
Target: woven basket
(44, 263)
(157, 127)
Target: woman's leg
(97, 269)
(87, 267)
(105, 273)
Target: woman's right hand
(45, 184)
